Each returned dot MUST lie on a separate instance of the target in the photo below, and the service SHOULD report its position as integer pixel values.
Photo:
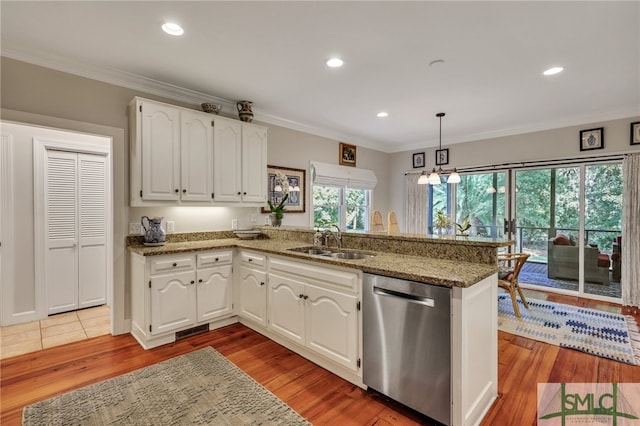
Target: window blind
(335, 175)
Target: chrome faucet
(336, 236)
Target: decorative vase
(275, 220)
(153, 232)
(244, 111)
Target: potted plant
(442, 222)
(464, 226)
(281, 185)
(277, 212)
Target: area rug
(199, 388)
(604, 334)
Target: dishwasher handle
(427, 301)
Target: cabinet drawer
(253, 259)
(215, 258)
(165, 264)
(319, 275)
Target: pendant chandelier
(434, 177)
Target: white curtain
(415, 211)
(630, 255)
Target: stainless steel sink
(335, 253)
(350, 255)
(312, 250)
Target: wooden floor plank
(323, 398)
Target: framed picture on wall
(442, 157)
(592, 139)
(418, 160)
(635, 133)
(275, 189)
(347, 155)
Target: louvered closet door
(92, 256)
(62, 231)
(76, 202)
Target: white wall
(544, 145)
(290, 148)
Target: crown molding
(169, 91)
(187, 96)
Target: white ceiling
(273, 53)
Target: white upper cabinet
(196, 157)
(179, 157)
(160, 140)
(227, 154)
(254, 163)
(240, 161)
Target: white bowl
(247, 234)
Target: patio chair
(510, 265)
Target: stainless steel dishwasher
(407, 343)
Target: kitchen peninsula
(312, 304)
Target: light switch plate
(171, 226)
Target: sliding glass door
(569, 219)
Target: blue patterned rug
(604, 334)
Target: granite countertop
(416, 268)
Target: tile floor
(56, 330)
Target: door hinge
(212, 195)
(141, 193)
(358, 305)
(213, 123)
(140, 108)
(358, 362)
(150, 332)
(149, 283)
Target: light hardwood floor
(319, 396)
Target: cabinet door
(196, 159)
(227, 158)
(254, 163)
(286, 307)
(160, 152)
(173, 302)
(253, 295)
(332, 325)
(214, 292)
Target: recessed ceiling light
(552, 71)
(335, 62)
(173, 29)
(382, 114)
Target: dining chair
(392, 223)
(510, 265)
(376, 222)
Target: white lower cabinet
(173, 300)
(251, 280)
(316, 307)
(171, 293)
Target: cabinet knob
(306, 297)
(216, 259)
(244, 193)
(184, 191)
(250, 260)
(238, 192)
(175, 264)
(177, 190)
(200, 280)
(193, 282)
(301, 296)
(262, 283)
